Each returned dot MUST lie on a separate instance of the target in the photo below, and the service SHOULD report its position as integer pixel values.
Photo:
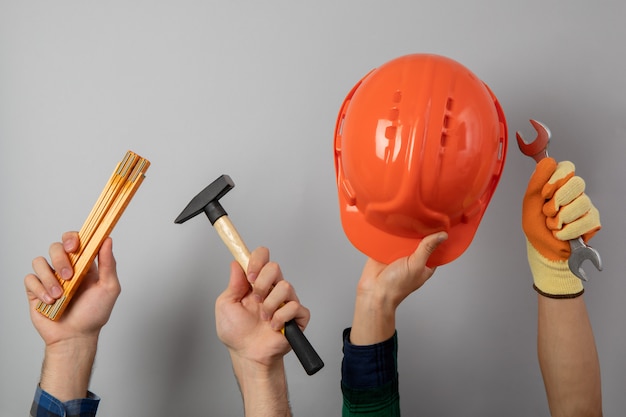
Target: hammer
(207, 201)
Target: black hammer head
(208, 201)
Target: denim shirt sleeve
(45, 405)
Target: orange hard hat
(420, 145)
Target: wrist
(251, 373)
(552, 278)
(263, 387)
(374, 318)
(67, 367)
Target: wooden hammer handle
(301, 346)
(233, 241)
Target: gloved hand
(556, 209)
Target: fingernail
(252, 276)
(442, 236)
(56, 291)
(264, 316)
(47, 299)
(66, 273)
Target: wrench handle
(541, 155)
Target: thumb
(539, 178)
(238, 285)
(107, 265)
(417, 260)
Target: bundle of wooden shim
(118, 192)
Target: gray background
(252, 89)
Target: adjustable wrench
(580, 251)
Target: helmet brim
(386, 247)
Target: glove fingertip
(590, 234)
(551, 208)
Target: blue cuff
(45, 405)
(370, 366)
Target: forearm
(67, 367)
(568, 357)
(264, 389)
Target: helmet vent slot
(393, 116)
(390, 132)
(444, 139)
(445, 125)
(340, 127)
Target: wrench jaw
(577, 269)
(538, 148)
(580, 253)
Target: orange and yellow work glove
(555, 210)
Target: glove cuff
(552, 278)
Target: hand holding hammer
(207, 201)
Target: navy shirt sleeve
(369, 378)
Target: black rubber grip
(308, 357)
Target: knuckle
(285, 286)
(273, 267)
